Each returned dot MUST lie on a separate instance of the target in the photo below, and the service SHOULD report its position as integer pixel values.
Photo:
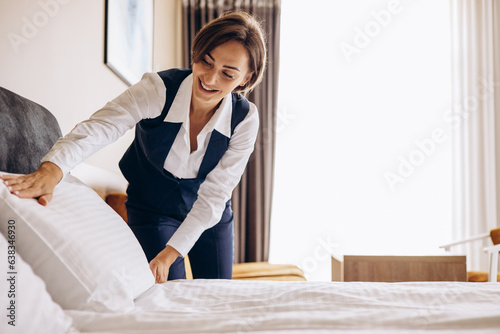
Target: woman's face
(219, 72)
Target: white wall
(52, 52)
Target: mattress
(224, 306)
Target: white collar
(179, 110)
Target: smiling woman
(251, 38)
(220, 72)
(194, 136)
(213, 80)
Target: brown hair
(234, 26)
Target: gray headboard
(27, 132)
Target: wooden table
(399, 268)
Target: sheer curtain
(476, 137)
(252, 197)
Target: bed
(202, 306)
(75, 267)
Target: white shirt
(146, 99)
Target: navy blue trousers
(211, 256)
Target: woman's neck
(200, 111)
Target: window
(363, 162)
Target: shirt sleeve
(218, 186)
(145, 99)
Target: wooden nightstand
(399, 268)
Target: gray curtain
(252, 199)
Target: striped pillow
(85, 253)
(29, 306)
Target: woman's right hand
(39, 185)
(160, 265)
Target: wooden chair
(492, 275)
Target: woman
(194, 135)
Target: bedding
(85, 253)
(24, 297)
(221, 306)
(93, 267)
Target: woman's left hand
(160, 265)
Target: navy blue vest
(152, 188)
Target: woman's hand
(160, 265)
(39, 184)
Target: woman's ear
(247, 79)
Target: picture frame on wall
(128, 49)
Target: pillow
(86, 254)
(28, 132)
(29, 306)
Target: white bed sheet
(220, 306)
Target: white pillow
(86, 254)
(26, 305)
